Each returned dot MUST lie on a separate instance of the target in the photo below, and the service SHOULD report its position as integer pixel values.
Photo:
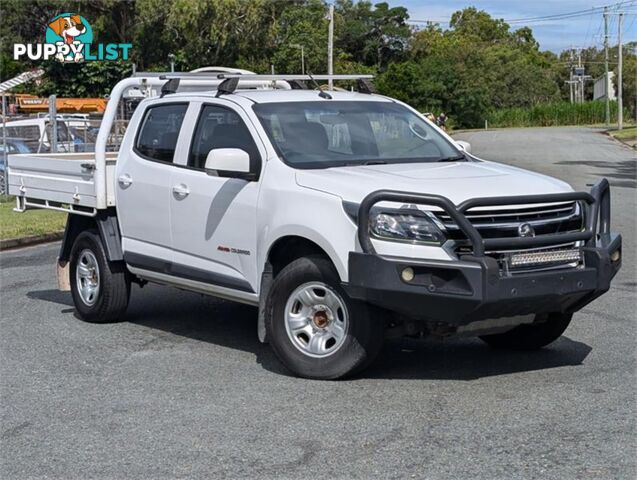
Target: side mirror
(231, 160)
(466, 146)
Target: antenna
(321, 94)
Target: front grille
(505, 223)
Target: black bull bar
(596, 205)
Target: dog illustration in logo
(68, 27)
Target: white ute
(346, 217)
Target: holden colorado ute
(346, 217)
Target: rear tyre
(314, 328)
(533, 336)
(100, 288)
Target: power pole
(53, 118)
(581, 81)
(606, 79)
(330, 48)
(620, 66)
(571, 84)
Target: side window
(157, 137)
(220, 127)
(28, 132)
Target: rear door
(213, 215)
(142, 186)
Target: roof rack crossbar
(224, 76)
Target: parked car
(13, 146)
(37, 132)
(344, 216)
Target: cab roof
(277, 96)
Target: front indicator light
(615, 256)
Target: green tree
(372, 36)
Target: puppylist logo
(69, 38)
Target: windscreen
(325, 134)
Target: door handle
(181, 191)
(125, 180)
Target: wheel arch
(281, 252)
(288, 248)
(105, 222)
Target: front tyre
(315, 329)
(532, 336)
(100, 288)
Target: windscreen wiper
(375, 162)
(457, 158)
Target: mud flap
(266, 283)
(64, 281)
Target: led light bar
(540, 258)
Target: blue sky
(555, 35)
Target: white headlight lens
(406, 227)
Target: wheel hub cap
(316, 319)
(87, 277)
(320, 319)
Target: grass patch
(31, 222)
(628, 135)
(553, 115)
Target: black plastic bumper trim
(460, 292)
(183, 271)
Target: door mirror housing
(228, 161)
(466, 146)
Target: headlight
(406, 227)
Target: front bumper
(462, 292)
(473, 287)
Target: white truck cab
(345, 216)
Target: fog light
(407, 274)
(615, 256)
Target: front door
(213, 216)
(142, 186)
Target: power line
(546, 18)
(578, 13)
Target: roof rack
(230, 81)
(273, 78)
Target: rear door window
(157, 137)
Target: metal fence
(71, 133)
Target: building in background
(600, 88)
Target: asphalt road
(183, 389)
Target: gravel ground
(183, 389)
